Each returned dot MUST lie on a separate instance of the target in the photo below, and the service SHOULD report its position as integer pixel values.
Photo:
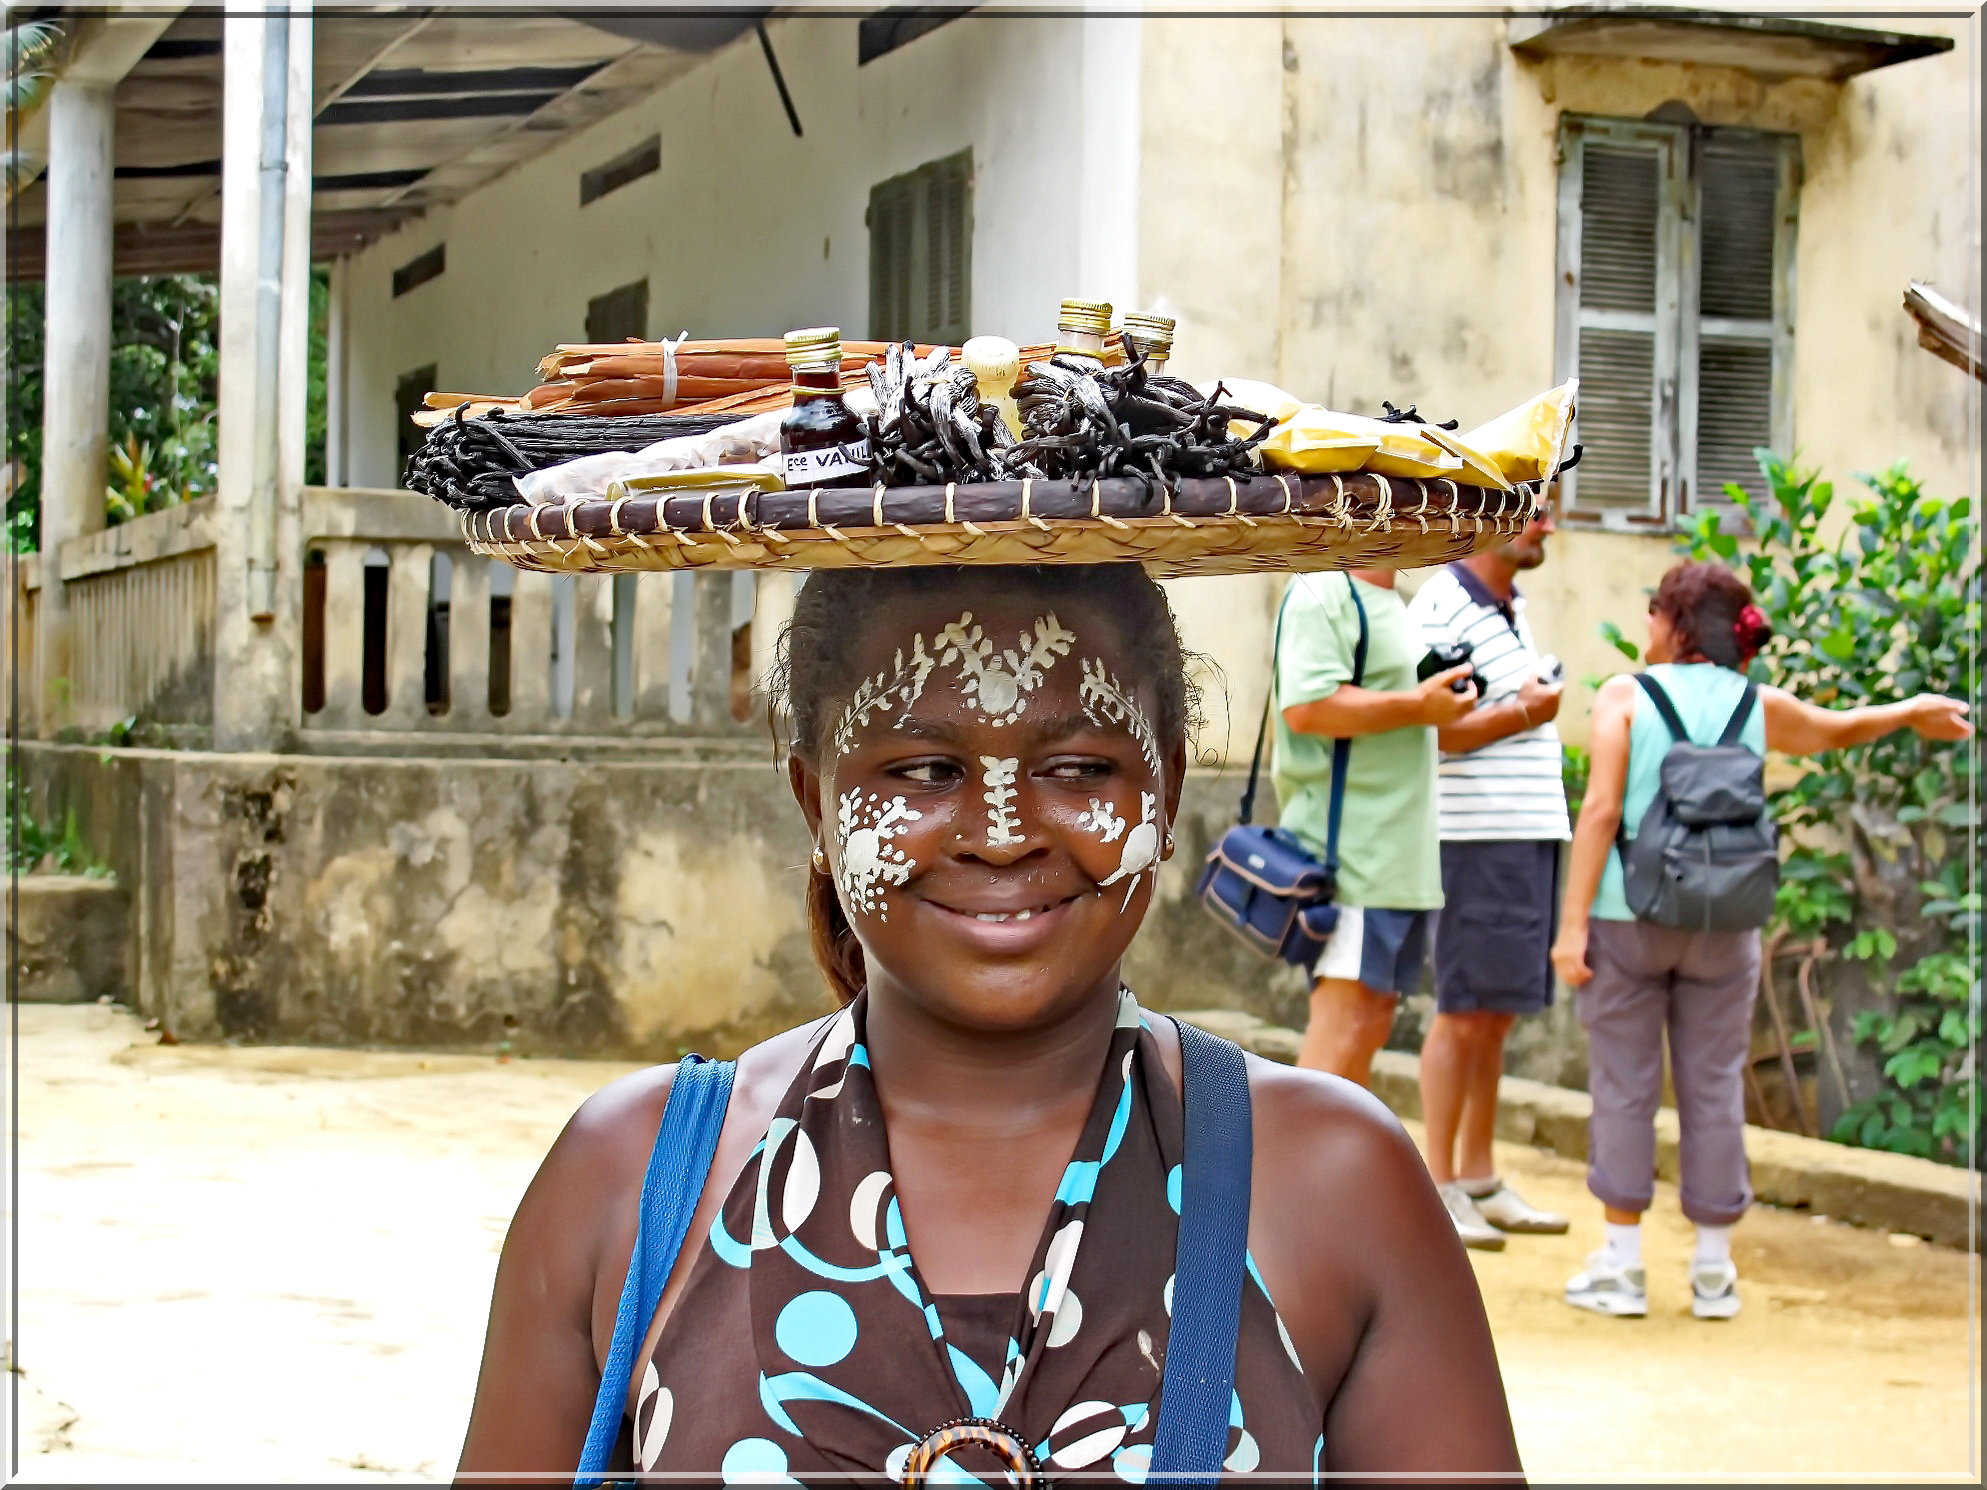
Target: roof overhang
(1945, 329)
(413, 109)
(1770, 47)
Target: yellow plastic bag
(1527, 443)
(1316, 440)
(1478, 469)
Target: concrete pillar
(338, 351)
(265, 312)
(76, 372)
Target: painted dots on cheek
(867, 825)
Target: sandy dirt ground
(258, 1265)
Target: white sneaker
(1507, 1210)
(1470, 1225)
(1714, 1290)
(1607, 1289)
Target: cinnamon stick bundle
(743, 375)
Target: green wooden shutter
(948, 198)
(920, 253)
(619, 314)
(892, 214)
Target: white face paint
(868, 861)
(1003, 827)
(998, 687)
(1106, 701)
(901, 685)
(1102, 820)
(1140, 855)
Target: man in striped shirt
(1502, 821)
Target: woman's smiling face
(993, 803)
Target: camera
(1441, 657)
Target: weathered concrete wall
(598, 907)
(68, 939)
(582, 907)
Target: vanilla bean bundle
(472, 463)
(1082, 420)
(1085, 420)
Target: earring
(820, 860)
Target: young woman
(1636, 979)
(951, 1199)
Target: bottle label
(819, 467)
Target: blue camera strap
(1341, 747)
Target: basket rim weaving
(1219, 525)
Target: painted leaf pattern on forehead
(898, 686)
(997, 682)
(999, 685)
(1106, 701)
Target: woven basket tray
(1219, 526)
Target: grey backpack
(1707, 854)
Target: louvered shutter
(920, 253)
(1741, 333)
(1618, 247)
(892, 213)
(949, 253)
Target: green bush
(34, 845)
(1888, 609)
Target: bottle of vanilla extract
(1153, 336)
(1081, 326)
(821, 442)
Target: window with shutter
(410, 395)
(921, 253)
(619, 314)
(1675, 312)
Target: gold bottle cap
(1085, 316)
(1153, 333)
(816, 346)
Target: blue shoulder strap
(678, 1165)
(1198, 1387)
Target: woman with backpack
(1672, 874)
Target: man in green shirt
(1390, 860)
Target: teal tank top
(1704, 695)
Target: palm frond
(29, 47)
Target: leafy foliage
(1575, 765)
(1888, 609)
(29, 48)
(34, 845)
(165, 369)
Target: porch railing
(405, 631)
(407, 640)
(141, 602)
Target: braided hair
(818, 668)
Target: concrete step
(68, 938)
(1866, 1187)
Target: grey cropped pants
(1698, 987)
